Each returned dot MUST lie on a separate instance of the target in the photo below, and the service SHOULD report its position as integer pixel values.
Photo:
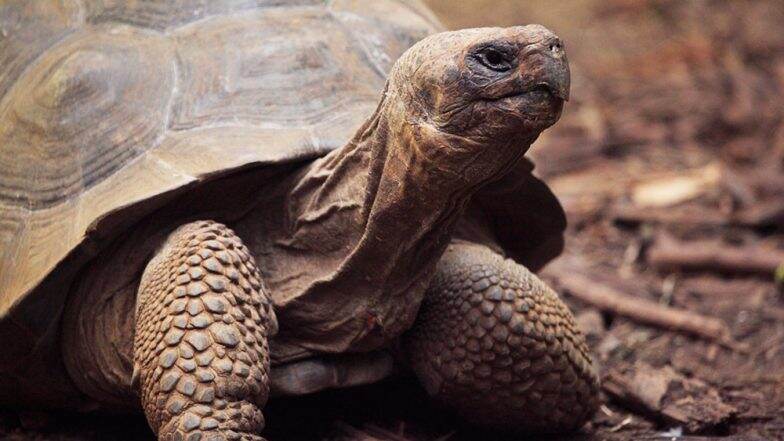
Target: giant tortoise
(205, 203)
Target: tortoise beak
(555, 69)
(548, 67)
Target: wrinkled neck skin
(364, 227)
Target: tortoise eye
(494, 59)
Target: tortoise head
(487, 93)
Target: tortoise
(203, 204)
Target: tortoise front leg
(200, 348)
(496, 344)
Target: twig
(630, 214)
(700, 438)
(356, 434)
(765, 213)
(668, 396)
(607, 298)
(384, 433)
(670, 254)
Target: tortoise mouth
(542, 91)
(546, 89)
(541, 101)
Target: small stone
(198, 339)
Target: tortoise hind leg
(496, 344)
(200, 347)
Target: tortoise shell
(106, 106)
(109, 110)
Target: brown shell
(109, 108)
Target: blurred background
(669, 162)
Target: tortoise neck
(377, 217)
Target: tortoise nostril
(556, 46)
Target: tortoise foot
(200, 349)
(496, 344)
(238, 421)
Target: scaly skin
(200, 349)
(495, 343)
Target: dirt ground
(670, 163)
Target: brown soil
(673, 143)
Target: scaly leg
(496, 344)
(200, 349)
